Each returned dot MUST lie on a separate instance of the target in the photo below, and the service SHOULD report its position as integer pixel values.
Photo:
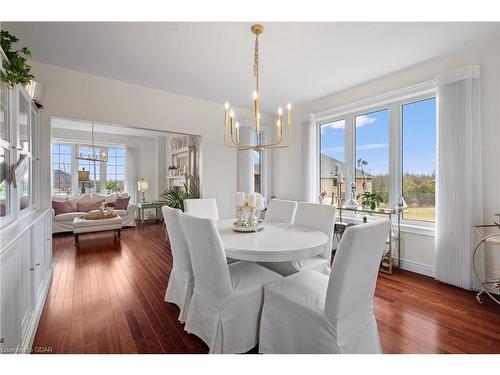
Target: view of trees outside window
(61, 169)
(372, 155)
(115, 169)
(419, 159)
(371, 161)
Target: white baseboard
(419, 268)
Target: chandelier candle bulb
(289, 110)
(226, 109)
(237, 126)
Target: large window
(61, 169)
(103, 176)
(372, 154)
(419, 159)
(332, 159)
(115, 168)
(388, 152)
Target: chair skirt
(180, 291)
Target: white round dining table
(277, 242)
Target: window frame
(108, 163)
(418, 98)
(347, 173)
(355, 157)
(102, 166)
(393, 102)
(52, 188)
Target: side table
(150, 205)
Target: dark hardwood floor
(107, 297)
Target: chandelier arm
(278, 144)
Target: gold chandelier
(232, 127)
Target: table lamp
(83, 176)
(143, 186)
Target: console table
(387, 263)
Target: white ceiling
(300, 62)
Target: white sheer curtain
(131, 156)
(459, 186)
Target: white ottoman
(81, 225)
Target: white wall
(418, 250)
(75, 95)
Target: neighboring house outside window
(61, 169)
(65, 169)
(410, 171)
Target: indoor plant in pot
(370, 200)
(110, 187)
(17, 69)
(174, 196)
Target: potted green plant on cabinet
(17, 69)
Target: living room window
(115, 168)
(65, 169)
(61, 169)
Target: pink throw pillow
(89, 206)
(62, 207)
(121, 203)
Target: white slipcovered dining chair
(317, 216)
(310, 312)
(205, 208)
(227, 299)
(280, 211)
(180, 284)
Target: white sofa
(64, 222)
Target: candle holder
(239, 216)
(251, 222)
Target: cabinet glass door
(4, 152)
(24, 137)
